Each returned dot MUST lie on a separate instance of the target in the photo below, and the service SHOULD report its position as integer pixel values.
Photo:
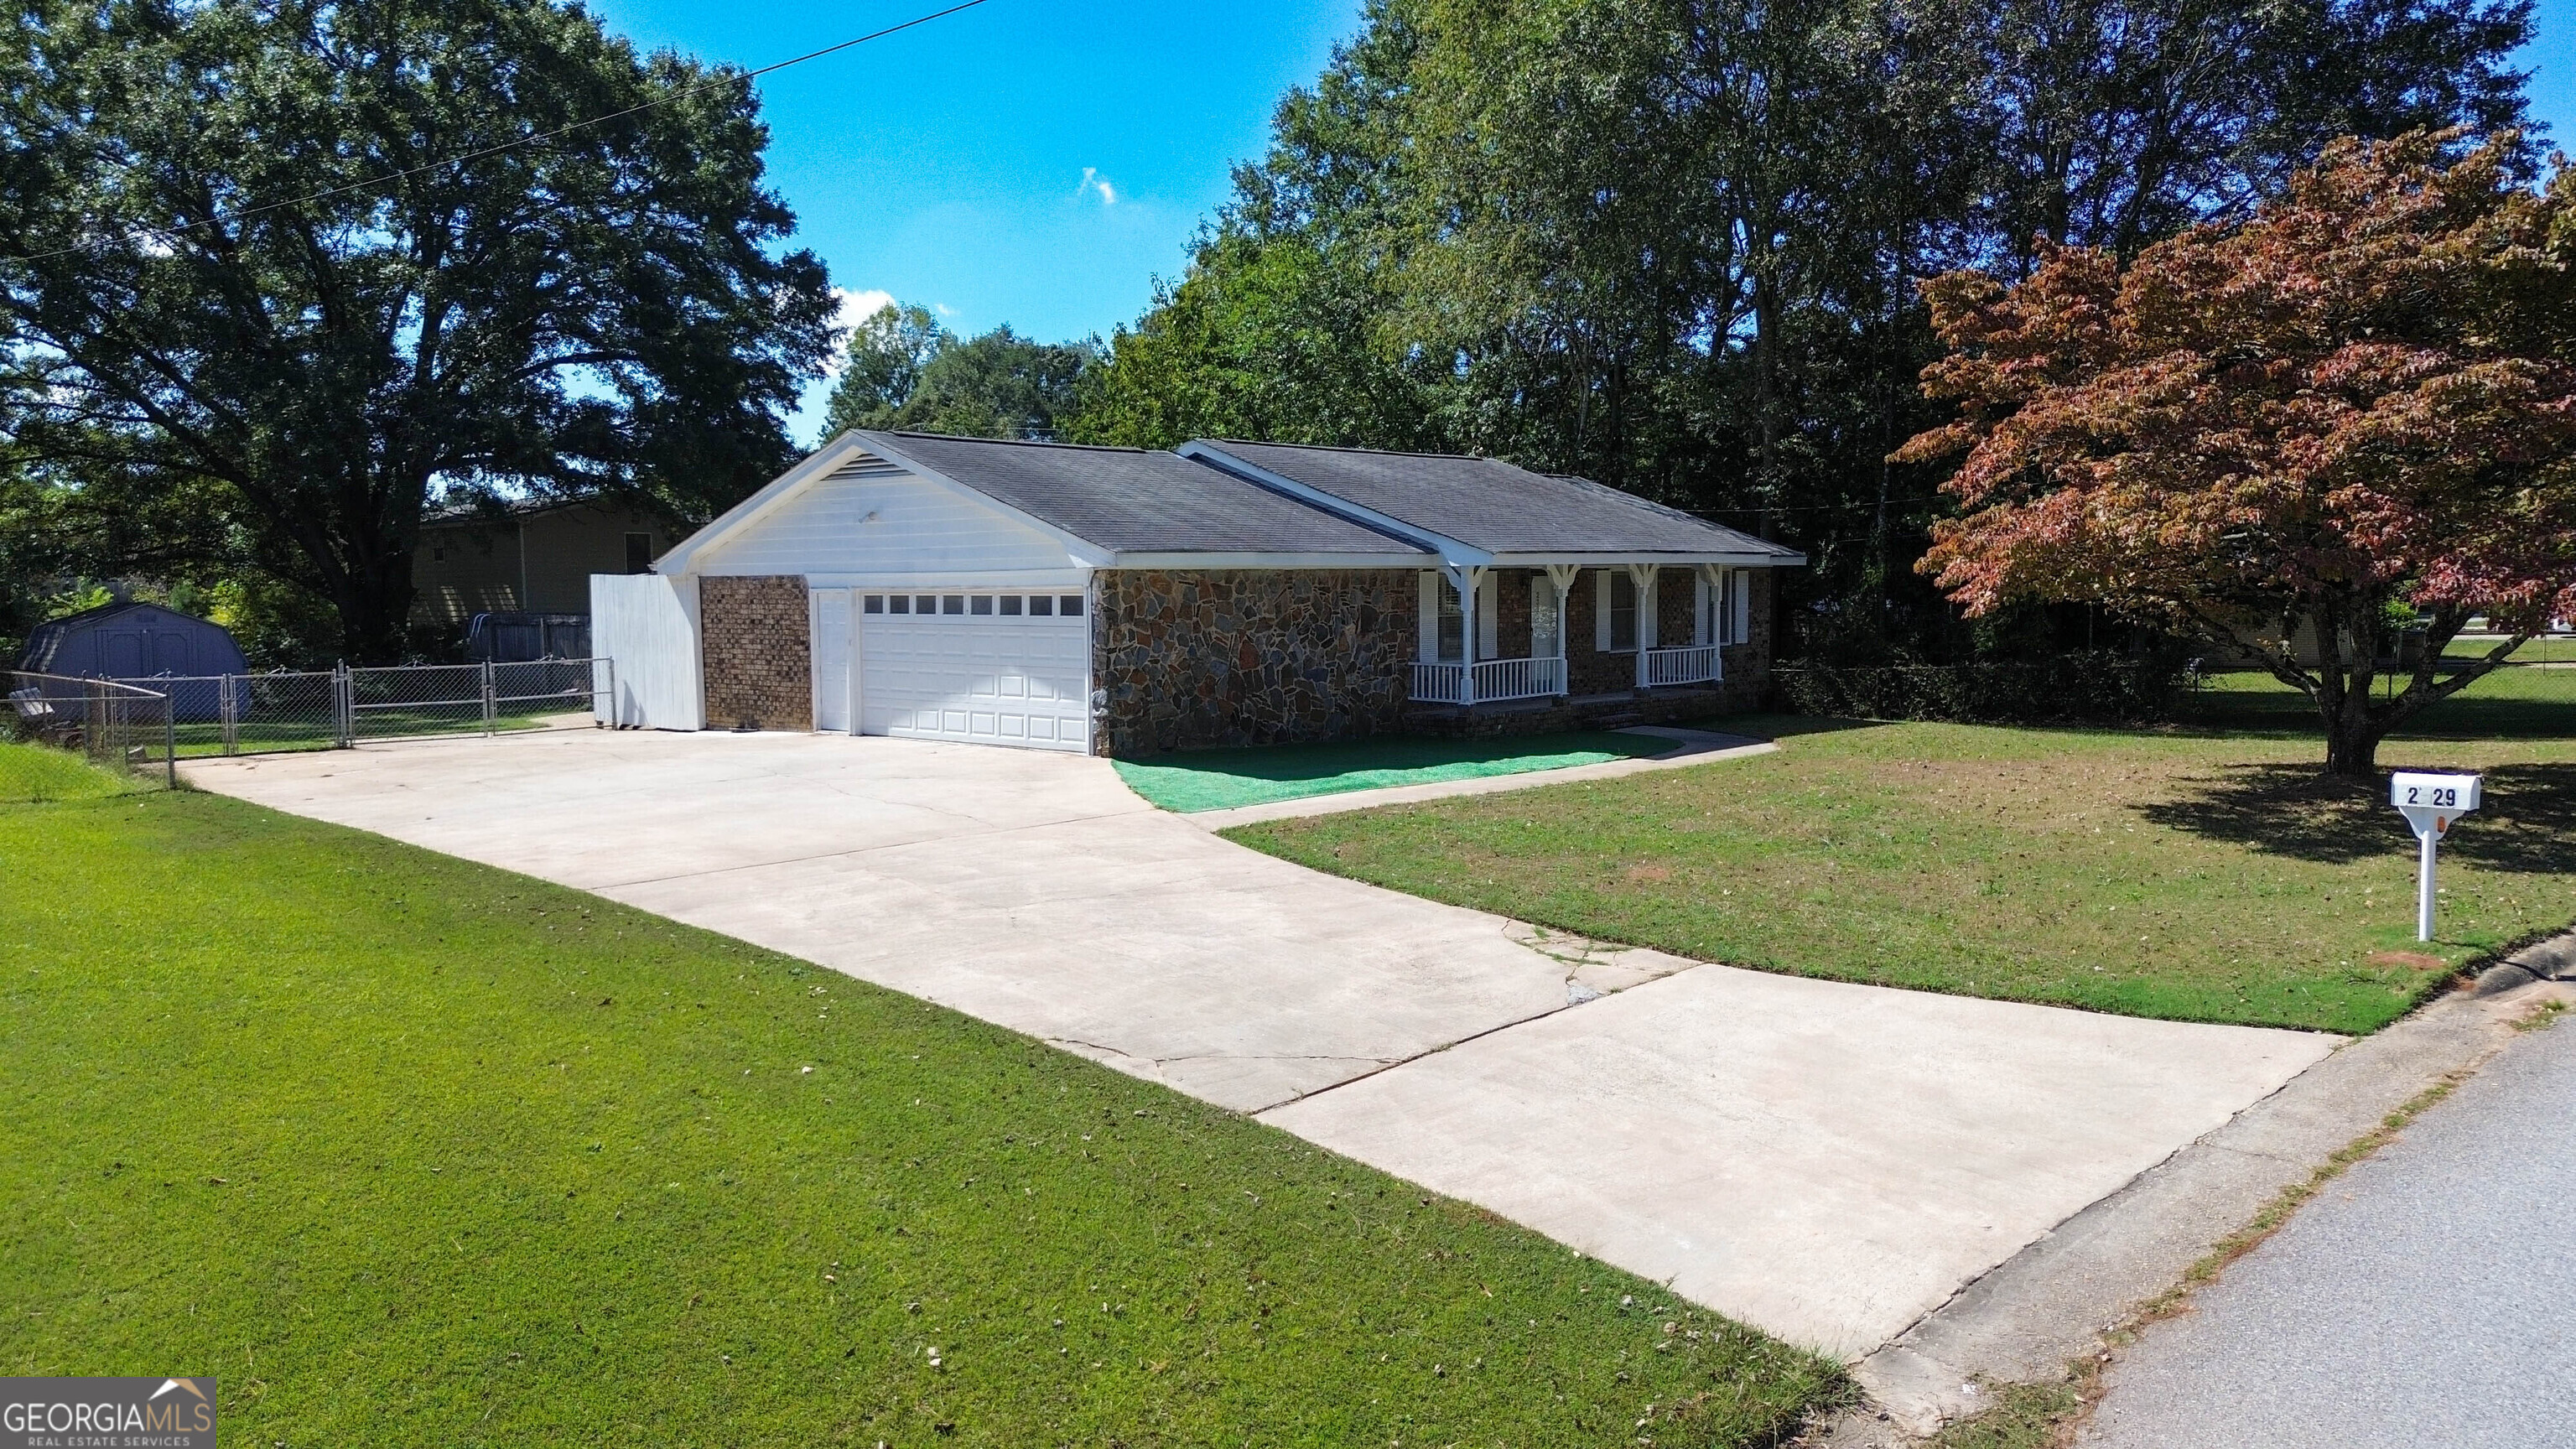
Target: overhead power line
(528, 140)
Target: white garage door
(994, 668)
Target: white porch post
(1563, 576)
(1644, 575)
(1466, 581)
(1713, 589)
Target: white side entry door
(833, 630)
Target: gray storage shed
(139, 642)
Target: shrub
(2096, 685)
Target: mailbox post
(2430, 803)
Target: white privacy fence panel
(649, 625)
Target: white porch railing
(1519, 678)
(1494, 679)
(1690, 664)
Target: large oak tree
(305, 265)
(2269, 434)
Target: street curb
(2026, 1319)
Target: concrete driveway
(1826, 1161)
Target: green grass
(33, 773)
(2017, 1416)
(2538, 651)
(411, 1151)
(2202, 873)
(1224, 779)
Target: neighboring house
(537, 559)
(1126, 602)
(139, 642)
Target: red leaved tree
(2267, 434)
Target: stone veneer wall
(1195, 659)
(754, 648)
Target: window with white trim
(1543, 640)
(1614, 618)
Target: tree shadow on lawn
(2527, 822)
(1782, 726)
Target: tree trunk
(2352, 740)
(374, 604)
(2347, 655)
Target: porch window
(1620, 610)
(1453, 626)
(1543, 640)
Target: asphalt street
(2428, 1298)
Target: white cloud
(850, 309)
(1093, 181)
(943, 309)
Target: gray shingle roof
(1138, 501)
(1490, 504)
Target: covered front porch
(1559, 631)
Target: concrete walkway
(1825, 1161)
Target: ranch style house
(1126, 601)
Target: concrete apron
(1825, 1161)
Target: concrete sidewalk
(1825, 1161)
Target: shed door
(996, 668)
(123, 652)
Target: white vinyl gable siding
(920, 528)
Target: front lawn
(2199, 872)
(410, 1151)
(1223, 779)
(43, 773)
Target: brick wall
(1748, 665)
(754, 648)
(1190, 660)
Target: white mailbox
(2432, 804)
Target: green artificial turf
(2201, 872)
(1223, 779)
(410, 1151)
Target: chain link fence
(63, 738)
(246, 714)
(68, 738)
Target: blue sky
(1036, 162)
(1040, 162)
